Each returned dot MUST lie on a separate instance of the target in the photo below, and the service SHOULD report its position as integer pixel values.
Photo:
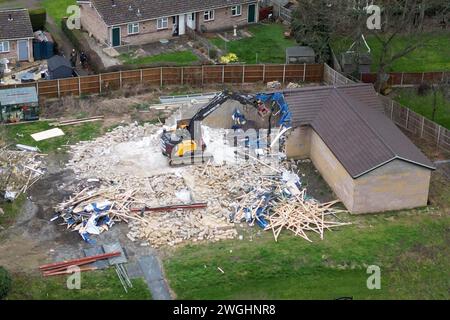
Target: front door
(23, 50)
(116, 37)
(251, 13)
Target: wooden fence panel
(110, 81)
(69, 87)
(192, 75)
(274, 73)
(212, 74)
(131, 77)
(254, 74)
(171, 76)
(152, 77)
(407, 78)
(48, 89)
(234, 74)
(90, 85)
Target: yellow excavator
(185, 145)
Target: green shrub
(5, 283)
(38, 18)
(213, 53)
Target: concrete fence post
(100, 83)
(443, 76)
(243, 73)
(438, 135)
(264, 74)
(401, 82)
(120, 79)
(161, 77)
(141, 75)
(182, 75)
(59, 89)
(79, 86)
(284, 73)
(423, 76)
(203, 75)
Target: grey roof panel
(125, 11)
(15, 96)
(18, 27)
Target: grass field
(57, 9)
(432, 56)
(95, 285)
(21, 133)
(424, 104)
(267, 45)
(180, 58)
(410, 248)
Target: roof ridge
(345, 97)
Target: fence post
(284, 73)
(423, 124)
(182, 75)
(407, 117)
(439, 135)
(100, 83)
(304, 72)
(392, 109)
(161, 77)
(443, 74)
(59, 91)
(141, 76)
(264, 73)
(203, 75)
(37, 88)
(79, 87)
(243, 73)
(401, 83)
(120, 78)
(223, 73)
(423, 76)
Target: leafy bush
(423, 89)
(213, 54)
(229, 58)
(5, 283)
(38, 18)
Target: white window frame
(133, 27)
(209, 15)
(237, 11)
(162, 23)
(4, 48)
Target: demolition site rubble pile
(19, 170)
(125, 178)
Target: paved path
(150, 268)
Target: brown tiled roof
(125, 11)
(17, 28)
(351, 122)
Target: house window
(236, 11)
(208, 15)
(133, 28)
(163, 23)
(4, 46)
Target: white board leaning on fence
(44, 135)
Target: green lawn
(411, 249)
(267, 45)
(95, 285)
(180, 58)
(21, 133)
(424, 104)
(11, 210)
(57, 9)
(432, 56)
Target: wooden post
(161, 77)
(203, 75)
(79, 86)
(284, 73)
(120, 79)
(392, 109)
(59, 91)
(243, 73)
(423, 125)
(423, 76)
(142, 76)
(223, 73)
(439, 135)
(401, 82)
(182, 75)
(304, 72)
(100, 83)
(264, 73)
(37, 88)
(407, 117)
(443, 74)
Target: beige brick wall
(332, 171)
(148, 32)
(92, 23)
(298, 143)
(223, 19)
(12, 55)
(394, 186)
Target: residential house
(16, 35)
(123, 22)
